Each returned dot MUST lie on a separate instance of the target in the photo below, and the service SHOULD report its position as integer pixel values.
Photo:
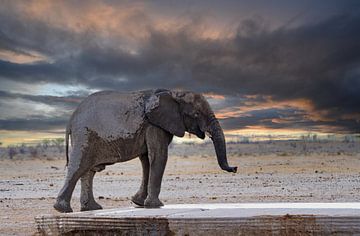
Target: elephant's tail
(67, 134)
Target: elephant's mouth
(200, 134)
(197, 131)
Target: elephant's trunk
(218, 138)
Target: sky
(266, 67)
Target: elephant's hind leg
(76, 169)
(140, 196)
(87, 200)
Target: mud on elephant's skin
(109, 127)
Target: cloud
(35, 112)
(317, 62)
(292, 119)
(68, 102)
(33, 124)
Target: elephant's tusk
(208, 134)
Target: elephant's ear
(162, 110)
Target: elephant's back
(110, 114)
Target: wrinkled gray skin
(110, 127)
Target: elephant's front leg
(87, 200)
(157, 143)
(140, 196)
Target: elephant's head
(180, 111)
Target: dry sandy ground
(29, 187)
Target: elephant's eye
(196, 114)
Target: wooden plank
(210, 219)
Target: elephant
(111, 126)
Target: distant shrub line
(305, 144)
(50, 148)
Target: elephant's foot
(138, 199)
(152, 203)
(90, 206)
(62, 206)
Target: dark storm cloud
(41, 123)
(35, 121)
(319, 62)
(68, 102)
(21, 33)
(266, 118)
(36, 72)
(288, 119)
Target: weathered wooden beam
(210, 219)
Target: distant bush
(349, 139)
(58, 143)
(46, 148)
(309, 137)
(33, 152)
(12, 152)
